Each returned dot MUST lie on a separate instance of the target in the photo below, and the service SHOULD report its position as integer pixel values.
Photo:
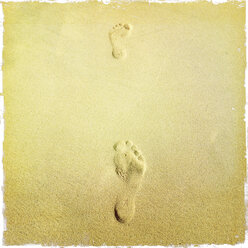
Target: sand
(124, 123)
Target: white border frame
(2, 206)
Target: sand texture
(124, 123)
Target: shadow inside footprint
(118, 217)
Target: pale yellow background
(178, 95)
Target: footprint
(130, 166)
(118, 37)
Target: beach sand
(124, 123)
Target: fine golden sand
(124, 123)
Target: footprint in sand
(130, 167)
(118, 38)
